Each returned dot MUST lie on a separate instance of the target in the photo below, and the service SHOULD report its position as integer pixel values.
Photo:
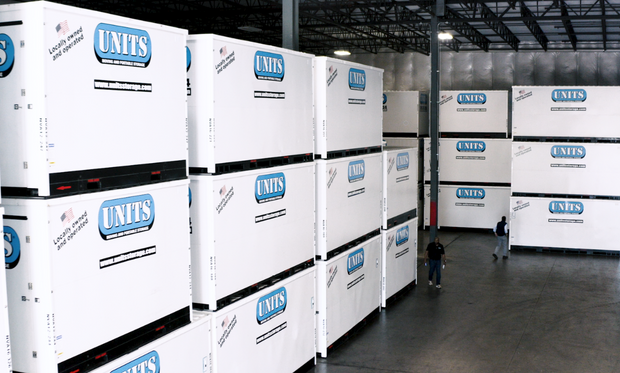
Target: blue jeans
(434, 265)
(502, 241)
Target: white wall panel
(405, 113)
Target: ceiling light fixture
(444, 36)
(342, 53)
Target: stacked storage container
(400, 223)
(474, 160)
(93, 153)
(564, 169)
(252, 207)
(6, 363)
(405, 124)
(348, 195)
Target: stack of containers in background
(474, 160)
(564, 168)
(252, 209)
(348, 195)
(6, 363)
(93, 153)
(399, 221)
(405, 124)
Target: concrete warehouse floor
(535, 312)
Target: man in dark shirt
(501, 232)
(435, 254)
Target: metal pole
(290, 24)
(434, 116)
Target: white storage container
(185, 350)
(6, 363)
(400, 185)
(89, 101)
(473, 111)
(566, 168)
(248, 227)
(564, 223)
(271, 331)
(471, 160)
(348, 290)
(348, 100)
(468, 206)
(348, 200)
(409, 142)
(95, 275)
(565, 111)
(405, 113)
(399, 258)
(248, 102)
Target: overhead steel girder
(466, 30)
(499, 27)
(603, 24)
(533, 26)
(343, 18)
(568, 25)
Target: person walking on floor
(501, 232)
(435, 254)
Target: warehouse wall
(496, 70)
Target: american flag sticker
(223, 191)
(66, 217)
(331, 170)
(223, 52)
(62, 28)
(521, 147)
(519, 202)
(331, 269)
(331, 69)
(444, 96)
(225, 322)
(522, 91)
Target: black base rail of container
(401, 293)
(474, 135)
(253, 164)
(409, 135)
(406, 216)
(470, 183)
(335, 154)
(351, 244)
(354, 330)
(604, 140)
(100, 179)
(245, 292)
(103, 354)
(563, 250)
(563, 196)
(306, 366)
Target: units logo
(188, 58)
(268, 66)
(357, 79)
(471, 98)
(270, 187)
(148, 363)
(12, 248)
(471, 146)
(474, 193)
(384, 99)
(569, 95)
(402, 161)
(402, 236)
(126, 216)
(565, 207)
(124, 46)
(271, 305)
(355, 261)
(7, 55)
(568, 151)
(357, 170)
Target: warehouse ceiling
(391, 26)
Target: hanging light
(444, 36)
(342, 53)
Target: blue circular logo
(384, 98)
(7, 55)
(188, 58)
(12, 248)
